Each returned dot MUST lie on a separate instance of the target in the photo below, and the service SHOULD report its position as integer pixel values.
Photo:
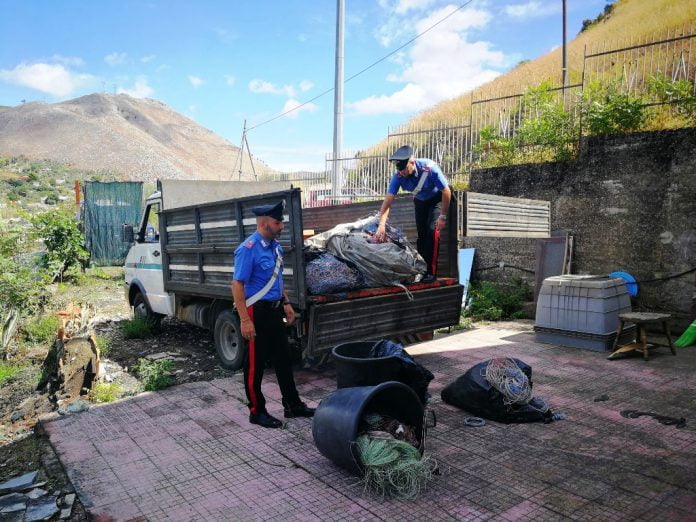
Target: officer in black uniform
(263, 307)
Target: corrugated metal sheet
(383, 317)
(502, 216)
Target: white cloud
(306, 85)
(230, 80)
(294, 104)
(262, 86)
(302, 37)
(311, 158)
(195, 81)
(74, 61)
(115, 58)
(162, 67)
(53, 79)
(141, 89)
(225, 35)
(404, 6)
(532, 9)
(147, 58)
(439, 66)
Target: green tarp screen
(107, 206)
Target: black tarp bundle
(473, 393)
(414, 375)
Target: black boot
(265, 420)
(299, 410)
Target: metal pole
(565, 66)
(338, 101)
(241, 152)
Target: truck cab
(144, 285)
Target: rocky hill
(135, 139)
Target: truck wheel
(142, 309)
(229, 343)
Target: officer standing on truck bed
(263, 308)
(431, 197)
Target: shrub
(20, 288)
(103, 392)
(8, 371)
(546, 123)
(605, 109)
(103, 344)
(154, 374)
(63, 240)
(494, 150)
(137, 328)
(495, 301)
(42, 329)
(678, 93)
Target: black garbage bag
(473, 393)
(414, 375)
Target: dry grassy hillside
(137, 139)
(633, 21)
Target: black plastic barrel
(338, 417)
(354, 366)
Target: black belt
(262, 303)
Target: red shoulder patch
(249, 243)
(426, 169)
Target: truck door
(144, 262)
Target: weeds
(493, 302)
(137, 328)
(103, 392)
(154, 375)
(8, 371)
(103, 344)
(42, 330)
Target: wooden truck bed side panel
(198, 245)
(382, 317)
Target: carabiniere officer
(263, 307)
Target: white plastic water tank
(582, 311)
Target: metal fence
(512, 128)
(659, 73)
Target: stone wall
(630, 202)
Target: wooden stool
(641, 320)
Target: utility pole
(338, 102)
(241, 152)
(565, 63)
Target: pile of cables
(506, 376)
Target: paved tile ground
(189, 453)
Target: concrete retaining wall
(630, 202)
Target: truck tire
(142, 309)
(229, 344)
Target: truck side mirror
(127, 233)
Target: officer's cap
(401, 156)
(274, 210)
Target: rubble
(18, 483)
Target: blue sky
(221, 62)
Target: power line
(409, 42)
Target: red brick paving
(189, 453)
